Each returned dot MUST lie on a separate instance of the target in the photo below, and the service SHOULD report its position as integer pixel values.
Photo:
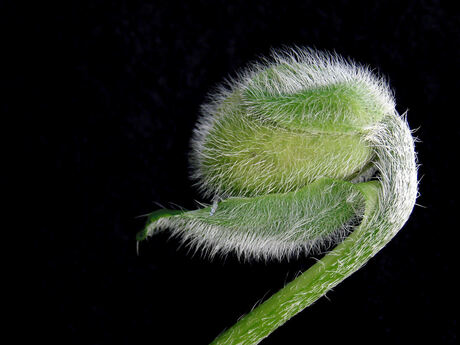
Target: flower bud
(285, 124)
(287, 150)
(283, 149)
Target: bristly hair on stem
(299, 152)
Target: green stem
(388, 204)
(345, 259)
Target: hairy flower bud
(287, 123)
(302, 150)
(284, 150)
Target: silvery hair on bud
(390, 139)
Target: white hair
(383, 131)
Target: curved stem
(308, 287)
(389, 203)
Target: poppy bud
(287, 123)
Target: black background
(107, 95)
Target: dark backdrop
(107, 95)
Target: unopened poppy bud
(300, 151)
(286, 124)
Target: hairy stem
(388, 205)
(305, 289)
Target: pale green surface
(246, 156)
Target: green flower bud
(298, 152)
(245, 155)
(285, 125)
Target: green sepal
(274, 225)
(153, 217)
